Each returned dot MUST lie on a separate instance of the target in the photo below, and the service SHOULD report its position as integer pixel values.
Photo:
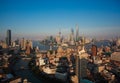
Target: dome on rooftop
(115, 56)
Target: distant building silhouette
(72, 37)
(77, 32)
(8, 38)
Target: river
(87, 46)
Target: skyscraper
(77, 32)
(72, 35)
(8, 38)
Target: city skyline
(37, 19)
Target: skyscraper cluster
(74, 37)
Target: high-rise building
(28, 47)
(8, 38)
(77, 32)
(94, 53)
(72, 34)
(72, 37)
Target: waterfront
(87, 46)
(42, 46)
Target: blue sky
(37, 18)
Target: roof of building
(115, 56)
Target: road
(21, 69)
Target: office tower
(81, 62)
(28, 47)
(94, 53)
(8, 38)
(77, 32)
(72, 35)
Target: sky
(35, 19)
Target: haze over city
(59, 41)
(37, 19)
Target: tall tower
(8, 38)
(72, 35)
(28, 47)
(77, 32)
(94, 53)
